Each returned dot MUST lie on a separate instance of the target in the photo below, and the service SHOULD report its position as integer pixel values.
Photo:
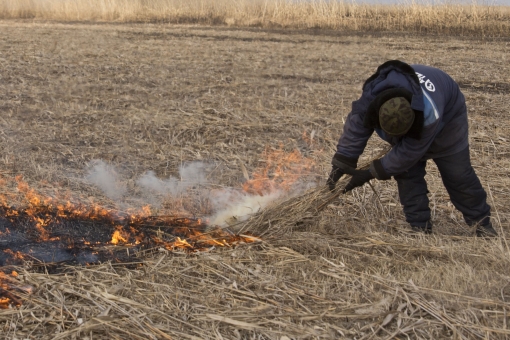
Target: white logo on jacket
(428, 84)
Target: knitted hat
(396, 116)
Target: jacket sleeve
(355, 136)
(406, 153)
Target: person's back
(443, 94)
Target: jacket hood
(393, 79)
(395, 74)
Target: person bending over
(422, 113)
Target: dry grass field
(145, 97)
(474, 17)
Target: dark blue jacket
(445, 124)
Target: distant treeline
(477, 18)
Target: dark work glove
(334, 176)
(359, 177)
(341, 165)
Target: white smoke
(191, 174)
(106, 178)
(229, 205)
(234, 206)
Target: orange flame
(280, 172)
(7, 283)
(119, 236)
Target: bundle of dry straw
(282, 217)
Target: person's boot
(486, 231)
(425, 229)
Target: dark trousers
(459, 179)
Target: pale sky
(478, 2)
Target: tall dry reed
(447, 17)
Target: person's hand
(334, 176)
(359, 177)
(341, 165)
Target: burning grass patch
(48, 236)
